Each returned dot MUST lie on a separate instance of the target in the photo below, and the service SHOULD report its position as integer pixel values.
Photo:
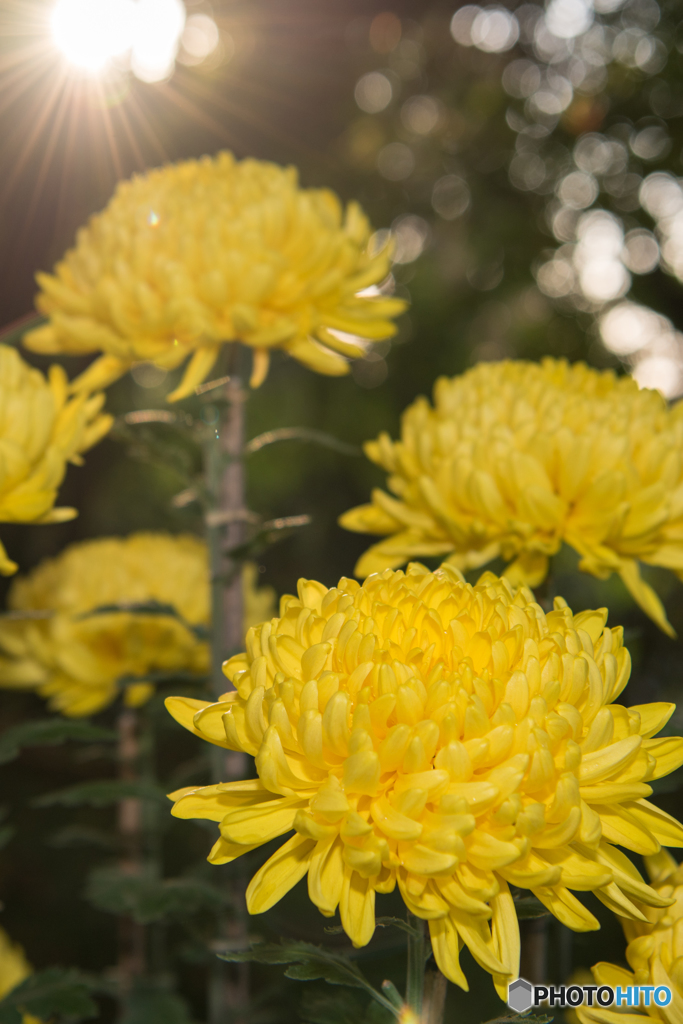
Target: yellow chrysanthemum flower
(654, 952)
(515, 458)
(41, 430)
(14, 967)
(450, 739)
(193, 255)
(82, 661)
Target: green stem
(415, 980)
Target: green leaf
(6, 833)
(529, 907)
(100, 793)
(48, 994)
(301, 434)
(310, 963)
(154, 608)
(74, 836)
(146, 898)
(268, 533)
(167, 440)
(376, 1014)
(324, 1008)
(152, 1003)
(49, 732)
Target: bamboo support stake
(226, 530)
(434, 1005)
(132, 952)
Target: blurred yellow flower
(14, 967)
(41, 430)
(193, 255)
(653, 952)
(515, 458)
(450, 739)
(82, 661)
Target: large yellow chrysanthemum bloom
(193, 255)
(448, 738)
(654, 952)
(81, 663)
(515, 458)
(41, 430)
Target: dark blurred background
(526, 159)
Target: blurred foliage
(492, 159)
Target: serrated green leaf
(49, 732)
(151, 1003)
(49, 994)
(100, 793)
(146, 898)
(328, 972)
(310, 963)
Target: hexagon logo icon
(520, 995)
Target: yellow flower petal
(506, 940)
(326, 876)
(261, 822)
(357, 908)
(643, 594)
(197, 370)
(662, 826)
(223, 852)
(446, 945)
(653, 717)
(279, 874)
(567, 908)
(476, 935)
(669, 754)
